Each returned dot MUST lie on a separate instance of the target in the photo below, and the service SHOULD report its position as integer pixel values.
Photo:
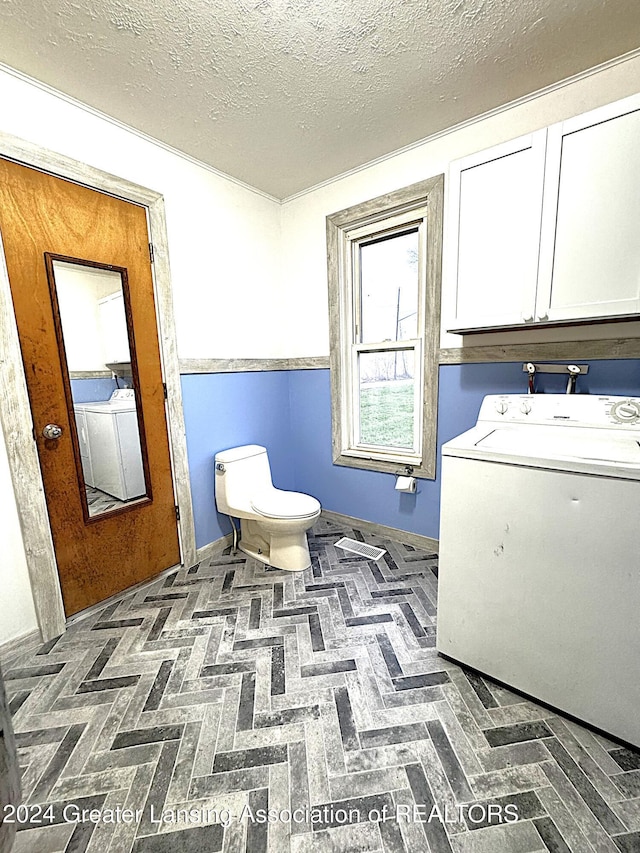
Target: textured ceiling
(283, 94)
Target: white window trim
(394, 211)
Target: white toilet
(273, 523)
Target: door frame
(15, 411)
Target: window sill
(367, 463)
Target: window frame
(419, 205)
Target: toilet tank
(241, 473)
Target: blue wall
(290, 413)
(92, 390)
(224, 410)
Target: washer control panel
(122, 394)
(625, 411)
(589, 410)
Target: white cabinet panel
(595, 243)
(113, 322)
(546, 229)
(496, 208)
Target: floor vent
(360, 548)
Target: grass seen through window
(386, 413)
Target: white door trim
(15, 411)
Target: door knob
(52, 431)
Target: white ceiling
(284, 94)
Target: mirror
(93, 323)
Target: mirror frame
(147, 498)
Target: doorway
(90, 553)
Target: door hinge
(164, 390)
(177, 512)
(151, 255)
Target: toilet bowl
(273, 522)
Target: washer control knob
(501, 406)
(626, 412)
(525, 407)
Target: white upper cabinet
(495, 215)
(546, 229)
(590, 252)
(113, 323)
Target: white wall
(88, 345)
(224, 251)
(303, 218)
(17, 614)
(223, 237)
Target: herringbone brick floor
(227, 689)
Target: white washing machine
(110, 445)
(539, 572)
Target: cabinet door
(495, 208)
(590, 259)
(114, 328)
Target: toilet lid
(281, 504)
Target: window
(384, 267)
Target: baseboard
(18, 645)
(417, 540)
(212, 549)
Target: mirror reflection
(95, 331)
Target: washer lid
(550, 443)
(605, 452)
(280, 504)
(107, 406)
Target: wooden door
(50, 226)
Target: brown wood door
(112, 526)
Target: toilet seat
(280, 504)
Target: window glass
(389, 288)
(387, 398)
(384, 275)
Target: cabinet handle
(543, 317)
(527, 319)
